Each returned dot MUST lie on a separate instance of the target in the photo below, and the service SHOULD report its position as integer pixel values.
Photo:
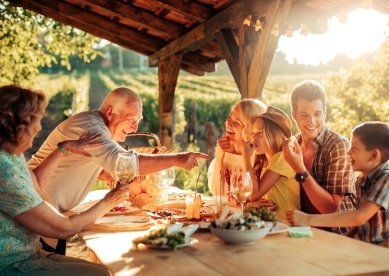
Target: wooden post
(192, 123)
(249, 55)
(168, 71)
(210, 136)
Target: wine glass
(165, 179)
(241, 187)
(127, 166)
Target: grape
(261, 212)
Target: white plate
(120, 221)
(280, 227)
(190, 241)
(118, 213)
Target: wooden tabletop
(323, 254)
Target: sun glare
(363, 32)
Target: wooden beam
(266, 47)
(205, 32)
(168, 71)
(137, 17)
(93, 24)
(199, 35)
(212, 47)
(230, 50)
(188, 9)
(192, 70)
(199, 62)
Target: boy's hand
(297, 218)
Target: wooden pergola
(193, 35)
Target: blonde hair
(18, 107)
(247, 108)
(274, 137)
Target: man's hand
(224, 143)
(297, 218)
(188, 160)
(293, 155)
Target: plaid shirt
(332, 170)
(375, 188)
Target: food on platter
(167, 213)
(172, 236)
(246, 221)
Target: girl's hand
(85, 141)
(248, 149)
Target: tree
(29, 41)
(362, 92)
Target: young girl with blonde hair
(273, 177)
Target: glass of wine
(241, 187)
(127, 166)
(165, 179)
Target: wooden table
(324, 254)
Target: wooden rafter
(188, 9)
(137, 16)
(93, 24)
(205, 32)
(70, 15)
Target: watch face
(300, 177)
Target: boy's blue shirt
(375, 188)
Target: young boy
(369, 154)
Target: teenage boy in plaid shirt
(369, 154)
(319, 155)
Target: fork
(274, 225)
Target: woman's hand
(117, 195)
(85, 141)
(225, 144)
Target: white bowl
(241, 237)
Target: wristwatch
(300, 177)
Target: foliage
(361, 94)
(29, 40)
(186, 180)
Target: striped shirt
(375, 188)
(332, 170)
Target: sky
(363, 32)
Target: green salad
(159, 238)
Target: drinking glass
(167, 177)
(127, 166)
(241, 187)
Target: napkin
(300, 232)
